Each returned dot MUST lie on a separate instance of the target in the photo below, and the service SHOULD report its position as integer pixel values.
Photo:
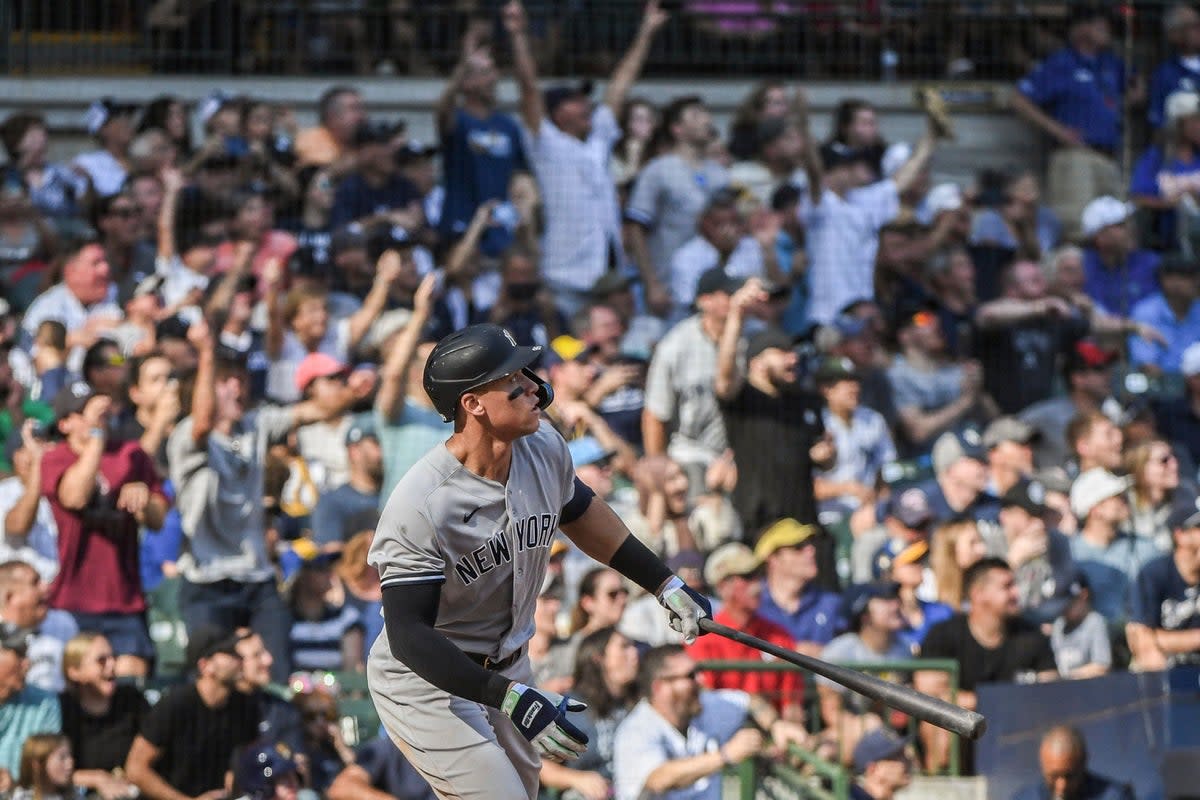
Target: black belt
(487, 662)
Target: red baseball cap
(318, 365)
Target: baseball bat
(910, 701)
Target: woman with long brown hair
(1155, 472)
(46, 769)
(956, 546)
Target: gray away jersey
(488, 544)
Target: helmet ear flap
(545, 392)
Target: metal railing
(901, 666)
(979, 39)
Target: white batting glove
(685, 606)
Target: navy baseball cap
(717, 280)
(880, 744)
(209, 640)
(1027, 494)
(260, 766)
(857, 597)
(360, 429)
(911, 507)
(953, 446)
(555, 96)
(1185, 515)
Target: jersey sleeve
(1146, 598)
(405, 549)
(1038, 85)
(1145, 174)
(560, 460)
(660, 394)
(642, 206)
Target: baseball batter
(462, 549)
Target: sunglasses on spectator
(613, 594)
(691, 676)
(124, 212)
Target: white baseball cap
(1189, 363)
(1182, 104)
(944, 197)
(1102, 212)
(1094, 487)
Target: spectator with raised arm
(669, 195)
(570, 145)
(1117, 274)
(30, 533)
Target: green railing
(833, 773)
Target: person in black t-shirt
(187, 741)
(774, 429)
(99, 717)
(991, 644)
(1021, 335)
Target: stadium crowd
(874, 418)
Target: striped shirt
(317, 644)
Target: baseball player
(461, 550)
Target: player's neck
(483, 455)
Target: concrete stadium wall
(988, 135)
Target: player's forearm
(601, 534)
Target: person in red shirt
(101, 494)
(733, 572)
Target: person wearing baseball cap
(1173, 313)
(860, 437)
(734, 572)
(166, 753)
(905, 517)
(354, 505)
(1040, 556)
(1117, 275)
(882, 765)
(1080, 635)
(112, 124)
(907, 565)
(1009, 442)
(1110, 557)
(1164, 622)
(959, 486)
(1088, 377)
(266, 772)
(793, 596)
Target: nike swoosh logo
(469, 514)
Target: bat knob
(976, 725)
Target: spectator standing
(188, 739)
(1022, 333)
(721, 241)
(932, 394)
(1063, 759)
(861, 440)
(101, 494)
(990, 642)
(1117, 275)
(792, 596)
(340, 110)
(779, 146)
(882, 764)
(1181, 70)
(100, 717)
(951, 275)
(23, 609)
(1165, 622)
(354, 505)
(111, 124)
(1164, 177)
(733, 571)
(324, 635)
(1076, 97)
(30, 533)
(669, 195)
(679, 736)
(24, 709)
(570, 146)
(525, 306)
(1173, 311)
(405, 419)
(481, 146)
(682, 416)
(761, 404)
(217, 455)
(84, 301)
(618, 389)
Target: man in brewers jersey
(461, 550)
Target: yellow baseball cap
(786, 532)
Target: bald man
(1065, 776)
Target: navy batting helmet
(476, 355)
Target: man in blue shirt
(1076, 97)
(791, 597)
(1116, 275)
(1180, 72)
(481, 146)
(1173, 311)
